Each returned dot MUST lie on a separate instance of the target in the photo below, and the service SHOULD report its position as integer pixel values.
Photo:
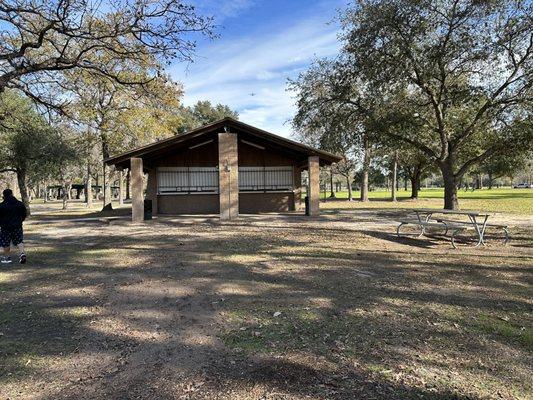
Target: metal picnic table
(472, 216)
(477, 220)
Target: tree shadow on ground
(144, 313)
(77, 214)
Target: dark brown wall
(207, 156)
(151, 189)
(188, 204)
(251, 156)
(203, 156)
(252, 203)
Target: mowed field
(266, 307)
(505, 200)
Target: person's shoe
(6, 260)
(22, 259)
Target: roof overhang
(224, 125)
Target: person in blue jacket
(12, 214)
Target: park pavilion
(226, 168)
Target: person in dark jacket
(12, 213)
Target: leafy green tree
(29, 146)
(508, 161)
(152, 113)
(119, 117)
(376, 176)
(203, 113)
(326, 121)
(414, 165)
(98, 104)
(437, 55)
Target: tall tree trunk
(66, 193)
(121, 187)
(349, 186)
(46, 192)
(478, 182)
(394, 176)
(450, 186)
(491, 179)
(107, 205)
(331, 187)
(414, 188)
(89, 187)
(23, 188)
(415, 181)
(106, 198)
(366, 167)
(128, 185)
(405, 183)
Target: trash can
(147, 210)
(307, 205)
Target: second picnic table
(476, 220)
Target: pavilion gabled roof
(227, 124)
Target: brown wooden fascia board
(299, 148)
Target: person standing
(12, 213)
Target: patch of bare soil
(264, 308)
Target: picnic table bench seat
(504, 227)
(438, 224)
(455, 228)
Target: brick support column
(151, 189)
(228, 175)
(137, 205)
(313, 167)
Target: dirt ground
(265, 307)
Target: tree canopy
(40, 40)
(29, 145)
(203, 113)
(447, 78)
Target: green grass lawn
(515, 201)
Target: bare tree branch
(50, 37)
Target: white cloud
(224, 8)
(250, 73)
(234, 7)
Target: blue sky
(262, 43)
